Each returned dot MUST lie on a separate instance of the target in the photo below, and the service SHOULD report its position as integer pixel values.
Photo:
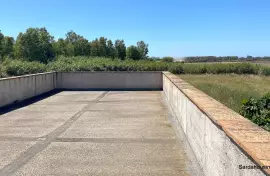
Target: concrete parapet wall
(19, 88)
(110, 80)
(220, 138)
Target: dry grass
(263, 63)
(230, 89)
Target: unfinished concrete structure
(122, 123)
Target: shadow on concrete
(20, 104)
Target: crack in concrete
(26, 156)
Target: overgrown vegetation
(3, 72)
(257, 110)
(11, 67)
(224, 68)
(19, 67)
(265, 71)
(231, 89)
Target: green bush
(3, 72)
(104, 64)
(18, 67)
(266, 71)
(176, 69)
(258, 111)
(194, 68)
(246, 68)
(167, 59)
(220, 68)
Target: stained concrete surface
(94, 133)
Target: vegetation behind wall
(13, 67)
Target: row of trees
(6, 45)
(36, 44)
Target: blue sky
(171, 28)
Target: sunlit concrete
(94, 133)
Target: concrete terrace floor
(94, 133)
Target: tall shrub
(258, 111)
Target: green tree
(34, 45)
(45, 43)
(143, 49)
(133, 53)
(94, 47)
(62, 47)
(72, 37)
(81, 47)
(58, 47)
(77, 45)
(111, 51)
(102, 47)
(1, 44)
(69, 49)
(7, 45)
(120, 49)
(18, 46)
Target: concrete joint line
(26, 156)
(115, 140)
(8, 138)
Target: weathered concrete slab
(108, 124)
(106, 159)
(71, 97)
(23, 123)
(93, 133)
(9, 150)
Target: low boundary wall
(110, 80)
(14, 89)
(223, 141)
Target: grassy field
(263, 63)
(230, 89)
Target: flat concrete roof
(94, 133)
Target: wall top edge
(110, 72)
(24, 76)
